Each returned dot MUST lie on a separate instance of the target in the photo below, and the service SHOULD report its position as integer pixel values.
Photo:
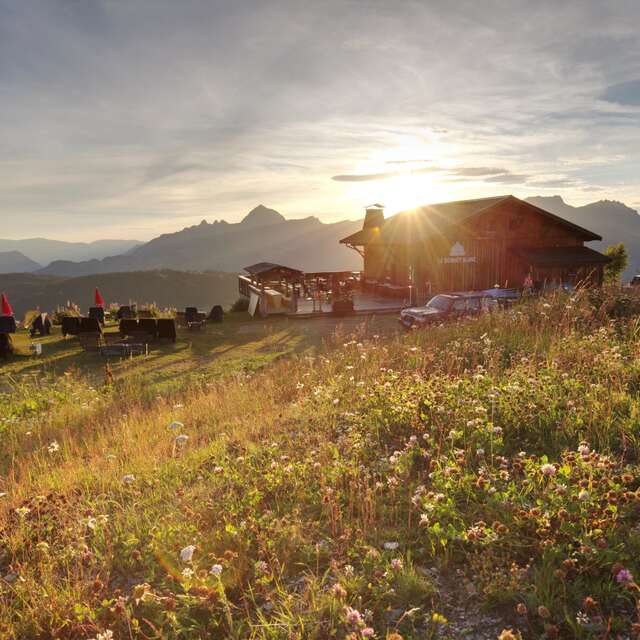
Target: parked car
(446, 306)
(635, 281)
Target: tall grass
(327, 495)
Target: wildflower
(480, 453)
(548, 470)
(624, 576)
(348, 570)
(218, 470)
(438, 618)
(339, 591)
(216, 570)
(92, 523)
(129, 478)
(507, 634)
(584, 495)
(391, 546)
(354, 617)
(187, 572)
(262, 566)
(543, 612)
(23, 511)
(182, 438)
(107, 635)
(53, 447)
(176, 425)
(186, 554)
(521, 609)
(396, 564)
(367, 632)
(582, 619)
(583, 449)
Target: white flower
(584, 449)
(129, 478)
(187, 553)
(53, 447)
(92, 523)
(176, 425)
(187, 572)
(584, 495)
(216, 570)
(391, 546)
(548, 470)
(182, 438)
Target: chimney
(374, 216)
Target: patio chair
(7, 324)
(41, 324)
(90, 325)
(70, 325)
(125, 312)
(167, 329)
(217, 314)
(194, 319)
(97, 313)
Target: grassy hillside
(457, 482)
(165, 288)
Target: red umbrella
(98, 299)
(6, 307)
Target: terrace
(276, 289)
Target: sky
(126, 119)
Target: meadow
(299, 480)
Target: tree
(619, 262)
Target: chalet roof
(417, 224)
(263, 269)
(562, 256)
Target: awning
(561, 256)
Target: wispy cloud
(154, 114)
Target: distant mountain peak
(262, 216)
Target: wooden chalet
(473, 245)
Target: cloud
(160, 113)
(364, 177)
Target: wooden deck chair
(167, 329)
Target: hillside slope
(614, 221)
(16, 262)
(44, 251)
(444, 484)
(164, 287)
(263, 235)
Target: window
(459, 305)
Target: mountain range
(44, 251)
(17, 262)
(265, 235)
(614, 221)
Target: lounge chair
(167, 329)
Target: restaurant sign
(457, 255)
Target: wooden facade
(475, 244)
